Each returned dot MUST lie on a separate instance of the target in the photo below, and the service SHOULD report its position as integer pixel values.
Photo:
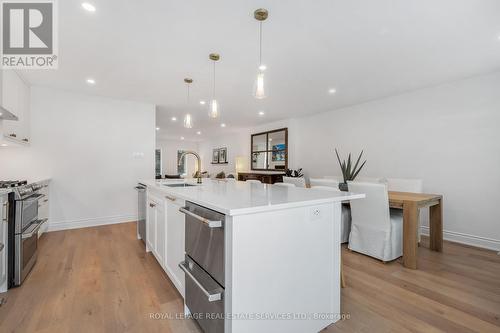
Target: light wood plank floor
(101, 280)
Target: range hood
(6, 114)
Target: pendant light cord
(188, 94)
(214, 83)
(260, 43)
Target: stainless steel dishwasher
(204, 266)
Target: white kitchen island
(281, 250)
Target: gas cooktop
(12, 183)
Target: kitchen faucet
(198, 179)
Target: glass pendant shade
(213, 110)
(259, 92)
(188, 121)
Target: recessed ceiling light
(332, 91)
(182, 138)
(203, 102)
(157, 128)
(1, 113)
(261, 113)
(199, 133)
(174, 119)
(4, 145)
(88, 7)
(262, 68)
(91, 81)
(222, 125)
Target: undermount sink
(179, 185)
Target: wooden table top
(396, 199)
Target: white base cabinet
(175, 242)
(165, 235)
(155, 227)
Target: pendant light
(188, 121)
(213, 110)
(260, 15)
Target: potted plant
(349, 171)
(295, 177)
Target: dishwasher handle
(209, 223)
(212, 297)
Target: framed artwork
(219, 156)
(215, 156)
(278, 154)
(222, 155)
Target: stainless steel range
(23, 228)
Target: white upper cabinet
(16, 99)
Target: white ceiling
(142, 50)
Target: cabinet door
(175, 243)
(16, 99)
(160, 234)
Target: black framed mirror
(269, 150)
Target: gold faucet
(198, 179)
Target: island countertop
(232, 197)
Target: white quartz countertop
(232, 197)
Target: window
(181, 163)
(270, 150)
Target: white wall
(86, 145)
(169, 150)
(448, 135)
(238, 144)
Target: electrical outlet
(316, 213)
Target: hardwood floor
(101, 280)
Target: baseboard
(90, 222)
(457, 237)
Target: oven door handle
(209, 223)
(33, 230)
(212, 297)
(34, 197)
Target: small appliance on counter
(22, 229)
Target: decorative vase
(343, 187)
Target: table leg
(436, 226)
(410, 234)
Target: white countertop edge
(346, 196)
(261, 209)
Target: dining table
(411, 204)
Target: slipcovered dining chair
(345, 227)
(297, 181)
(375, 230)
(324, 182)
(284, 184)
(407, 185)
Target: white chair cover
(375, 230)
(324, 182)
